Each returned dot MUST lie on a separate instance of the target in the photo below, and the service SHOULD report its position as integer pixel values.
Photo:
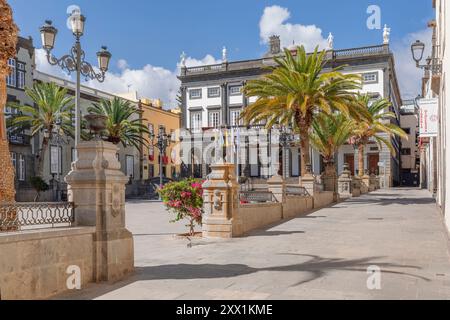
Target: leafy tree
(297, 90)
(52, 105)
(120, 125)
(377, 126)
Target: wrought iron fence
(26, 216)
(295, 190)
(257, 197)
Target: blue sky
(150, 35)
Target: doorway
(374, 159)
(350, 160)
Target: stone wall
(255, 216)
(295, 206)
(323, 199)
(33, 264)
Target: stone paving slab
(324, 255)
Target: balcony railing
(247, 197)
(363, 51)
(28, 216)
(19, 139)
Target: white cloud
(150, 81)
(45, 67)
(274, 22)
(409, 76)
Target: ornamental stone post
(345, 185)
(365, 183)
(8, 42)
(372, 183)
(309, 181)
(96, 186)
(277, 185)
(356, 186)
(221, 212)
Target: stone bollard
(309, 181)
(221, 212)
(372, 183)
(345, 185)
(96, 186)
(365, 183)
(356, 192)
(277, 185)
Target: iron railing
(26, 216)
(295, 190)
(256, 197)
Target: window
(196, 120)
(214, 119)
(14, 160)
(371, 77)
(214, 92)
(21, 170)
(130, 166)
(235, 90)
(235, 115)
(406, 152)
(11, 78)
(20, 75)
(195, 94)
(55, 160)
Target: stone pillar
(97, 187)
(356, 192)
(365, 183)
(308, 181)
(372, 183)
(277, 185)
(345, 185)
(329, 178)
(221, 212)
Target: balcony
(19, 139)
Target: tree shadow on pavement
(314, 268)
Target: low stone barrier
(34, 264)
(255, 216)
(323, 199)
(295, 206)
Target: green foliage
(120, 126)
(39, 185)
(185, 199)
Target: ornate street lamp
(75, 61)
(163, 141)
(287, 138)
(432, 64)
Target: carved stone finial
(224, 55)
(183, 59)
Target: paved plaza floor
(324, 255)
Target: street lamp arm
(89, 73)
(66, 62)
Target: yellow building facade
(154, 117)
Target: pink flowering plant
(185, 199)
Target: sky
(147, 37)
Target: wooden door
(374, 159)
(350, 159)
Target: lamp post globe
(77, 23)
(417, 49)
(48, 35)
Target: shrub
(185, 199)
(39, 185)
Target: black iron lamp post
(75, 60)
(163, 141)
(432, 64)
(287, 138)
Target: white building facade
(212, 98)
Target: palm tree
(374, 127)
(53, 109)
(329, 133)
(120, 127)
(297, 90)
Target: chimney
(275, 44)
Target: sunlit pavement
(325, 255)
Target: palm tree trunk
(305, 155)
(361, 160)
(40, 169)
